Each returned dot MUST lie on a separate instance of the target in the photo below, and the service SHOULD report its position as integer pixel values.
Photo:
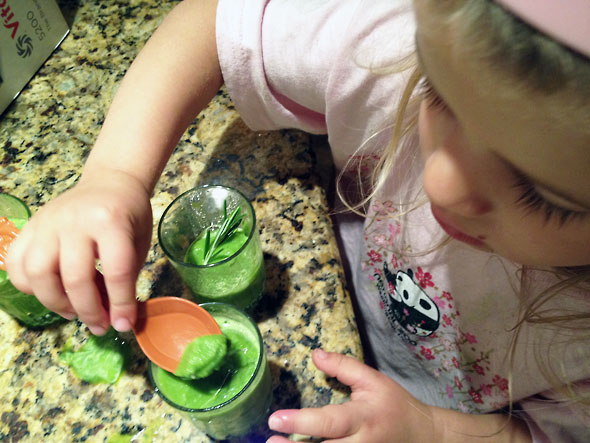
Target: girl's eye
(430, 95)
(532, 201)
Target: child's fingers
(15, 262)
(347, 370)
(41, 267)
(332, 421)
(78, 272)
(119, 265)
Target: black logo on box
(24, 46)
(24, 43)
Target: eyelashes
(529, 199)
(533, 202)
(429, 94)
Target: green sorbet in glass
(215, 280)
(234, 397)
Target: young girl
(483, 336)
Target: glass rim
(238, 394)
(209, 265)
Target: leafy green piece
(228, 227)
(100, 360)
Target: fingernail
(279, 420)
(122, 324)
(97, 330)
(321, 354)
(68, 315)
(275, 423)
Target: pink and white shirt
(438, 320)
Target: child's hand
(380, 410)
(106, 217)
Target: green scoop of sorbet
(202, 356)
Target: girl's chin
(456, 234)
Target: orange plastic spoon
(166, 325)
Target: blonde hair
(519, 55)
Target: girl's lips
(452, 231)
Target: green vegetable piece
(100, 360)
(231, 244)
(202, 356)
(210, 248)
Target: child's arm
(380, 410)
(107, 215)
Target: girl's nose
(451, 183)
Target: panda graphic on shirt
(410, 311)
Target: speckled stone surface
(45, 137)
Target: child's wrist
(104, 174)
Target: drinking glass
(235, 398)
(237, 279)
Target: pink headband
(567, 21)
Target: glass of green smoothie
(210, 236)
(14, 214)
(237, 395)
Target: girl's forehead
(538, 135)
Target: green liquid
(238, 281)
(24, 307)
(219, 404)
(231, 377)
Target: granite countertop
(45, 137)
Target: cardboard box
(30, 30)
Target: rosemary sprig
(228, 227)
